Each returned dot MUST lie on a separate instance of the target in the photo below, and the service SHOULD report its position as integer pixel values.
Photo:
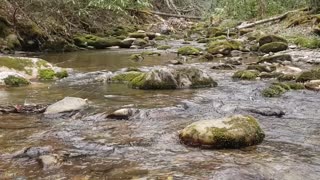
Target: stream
(91, 146)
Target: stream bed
(90, 146)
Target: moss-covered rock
(309, 75)
(231, 132)
(277, 89)
(164, 47)
(136, 57)
(13, 42)
(246, 75)
(126, 77)
(224, 46)
(140, 42)
(102, 43)
(270, 39)
(308, 42)
(46, 74)
(150, 53)
(160, 38)
(273, 47)
(61, 74)
(126, 43)
(179, 78)
(287, 77)
(255, 35)
(15, 81)
(140, 35)
(188, 50)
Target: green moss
(164, 47)
(16, 81)
(42, 63)
(141, 82)
(138, 81)
(126, 77)
(160, 38)
(307, 42)
(277, 89)
(62, 74)
(137, 35)
(102, 43)
(309, 75)
(246, 75)
(188, 50)
(140, 42)
(224, 46)
(46, 74)
(19, 64)
(273, 47)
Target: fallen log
(263, 21)
(23, 109)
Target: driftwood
(263, 21)
(24, 109)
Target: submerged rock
(230, 132)
(67, 104)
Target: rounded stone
(230, 132)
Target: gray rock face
(68, 104)
(231, 132)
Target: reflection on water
(112, 60)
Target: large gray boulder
(230, 132)
(68, 104)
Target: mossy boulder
(224, 46)
(270, 39)
(255, 35)
(165, 78)
(309, 75)
(62, 74)
(188, 50)
(164, 47)
(308, 42)
(13, 42)
(140, 42)
(140, 35)
(16, 81)
(95, 41)
(277, 89)
(126, 77)
(273, 47)
(126, 43)
(230, 132)
(246, 74)
(160, 38)
(214, 32)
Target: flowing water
(91, 146)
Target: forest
(160, 89)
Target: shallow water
(147, 146)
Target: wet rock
(140, 35)
(122, 114)
(140, 42)
(48, 162)
(262, 68)
(289, 70)
(267, 111)
(313, 85)
(68, 104)
(276, 58)
(230, 132)
(126, 43)
(175, 62)
(223, 66)
(277, 89)
(234, 61)
(235, 53)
